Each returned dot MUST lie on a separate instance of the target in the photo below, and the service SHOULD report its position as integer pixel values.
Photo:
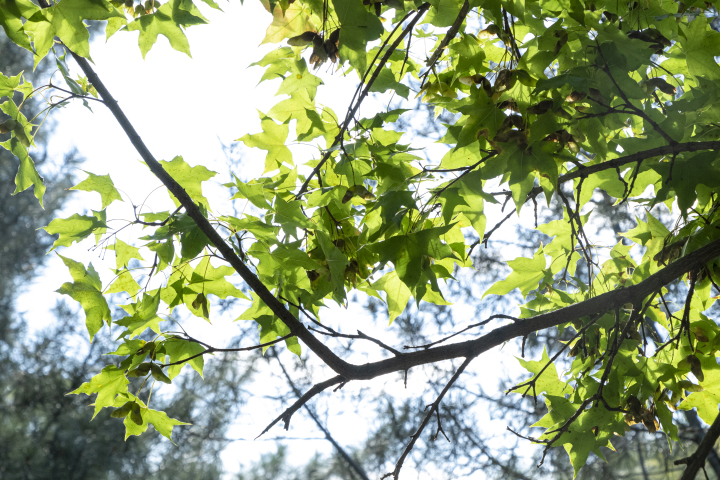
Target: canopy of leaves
(560, 100)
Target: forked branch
(431, 409)
(288, 413)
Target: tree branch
(351, 112)
(341, 451)
(433, 408)
(469, 327)
(696, 461)
(288, 413)
(452, 31)
(209, 349)
(640, 156)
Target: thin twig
(351, 112)
(359, 336)
(432, 408)
(343, 453)
(449, 35)
(316, 389)
(475, 325)
(210, 349)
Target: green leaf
(299, 78)
(272, 138)
(358, 28)
(336, 262)
(65, 21)
(20, 128)
(178, 292)
(190, 178)
(291, 22)
(109, 383)
(646, 231)
(178, 350)
(524, 167)
(113, 25)
(165, 252)
(577, 83)
(255, 192)
(548, 382)
(169, 21)
(526, 274)
(260, 230)
(467, 198)
(86, 289)
(284, 266)
(289, 216)
(397, 294)
(101, 217)
(27, 175)
(192, 242)
(9, 85)
(257, 309)
(271, 327)
(158, 374)
(72, 229)
(124, 283)
(11, 13)
(701, 47)
(562, 245)
(386, 81)
(706, 401)
(143, 316)
(443, 12)
(162, 423)
(578, 445)
(124, 252)
(211, 280)
(406, 252)
(687, 174)
(101, 184)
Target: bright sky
(190, 107)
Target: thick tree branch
(640, 156)
(698, 436)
